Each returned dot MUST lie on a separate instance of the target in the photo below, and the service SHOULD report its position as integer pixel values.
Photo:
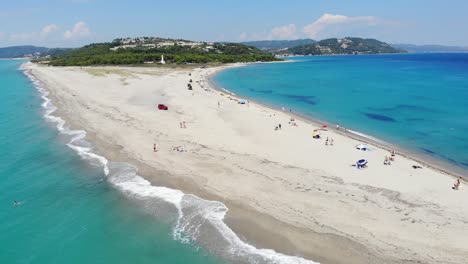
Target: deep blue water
(417, 101)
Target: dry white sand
(285, 189)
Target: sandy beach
(284, 189)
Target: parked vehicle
(162, 107)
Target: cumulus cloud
(326, 20)
(243, 36)
(22, 37)
(49, 29)
(284, 32)
(280, 32)
(79, 30)
(42, 35)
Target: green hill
(277, 45)
(343, 46)
(149, 50)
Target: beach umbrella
(361, 162)
(363, 147)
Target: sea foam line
(194, 213)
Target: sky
(73, 23)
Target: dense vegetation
(343, 46)
(150, 51)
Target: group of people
(182, 124)
(292, 121)
(388, 160)
(329, 142)
(278, 127)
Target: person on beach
(331, 142)
(180, 124)
(279, 126)
(337, 127)
(386, 161)
(326, 142)
(154, 148)
(183, 123)
(456, 185)
(219, 104)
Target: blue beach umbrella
(361, 162)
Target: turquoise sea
(75, 206)
(416, 101)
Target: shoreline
(235, 219)
(436, 163)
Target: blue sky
(71, 23)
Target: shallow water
(418, 101)
(75, 206)
(69, 211)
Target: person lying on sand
(179, 149)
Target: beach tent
(363, 147)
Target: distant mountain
(28, 51)
(276, 45)
(342, 46)
(430, 48)
(20, 51)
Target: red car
(162, 107)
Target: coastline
(238, 216)
(436, 163)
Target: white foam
(128, 181)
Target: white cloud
(326, 20)
(44, 34)
(284, 32)
(49, 29)
(79, 30)
(243, 36)
(23, 37)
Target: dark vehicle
(162, 107)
